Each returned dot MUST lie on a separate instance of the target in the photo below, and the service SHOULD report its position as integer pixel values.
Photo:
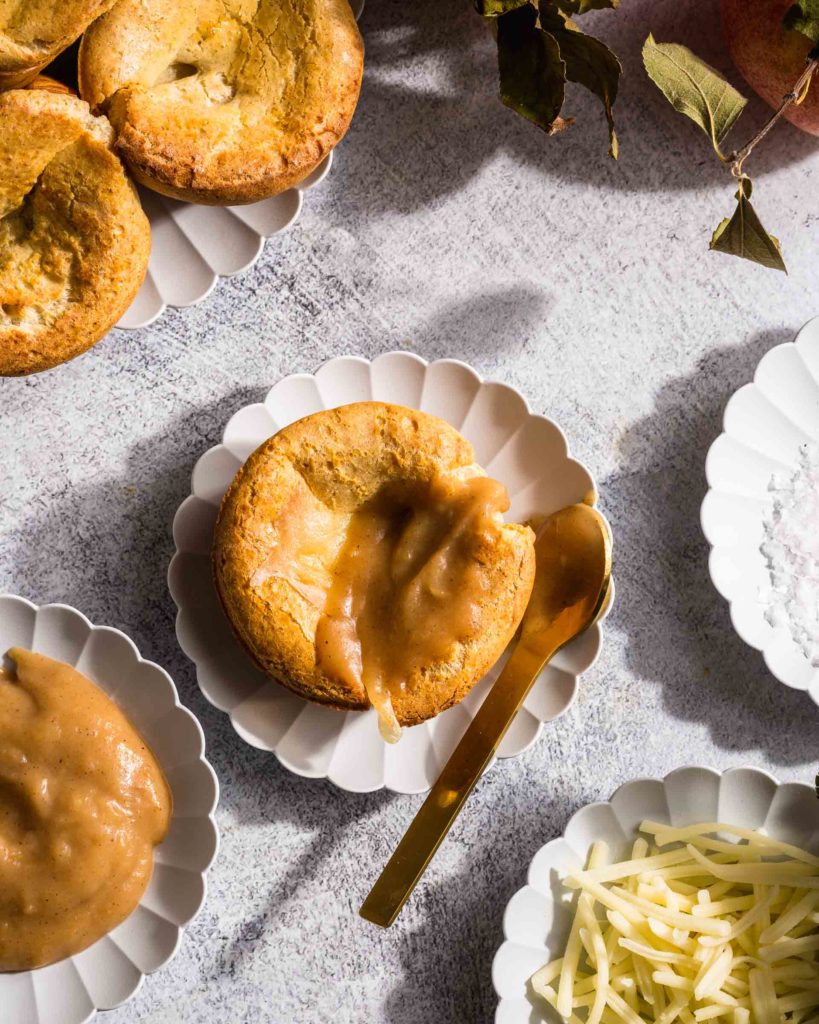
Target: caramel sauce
(406, 585)
(83, 802)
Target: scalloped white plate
(764, 425)
(528, 453)
(192, 245)
(537, 919)
(109, 973)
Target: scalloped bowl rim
(310, 181)
(705, 770)
(266, 401)
(712, 489)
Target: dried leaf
(494, 8)
(532, 72)
(588, 61)
(693, 88)
(571, 7)
(743, 234)
(804, 17)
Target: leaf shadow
(675, 622)
(509, 316)
(276, 796)
(105, 547)
(430, 120)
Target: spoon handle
(463, 769)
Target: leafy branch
(540, 48)
(795, 96)
(700, 92)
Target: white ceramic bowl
(764, 424)
(528, 453)
(192, 245)
(537, 919)
(109, 973)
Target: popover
(33, 32)
(49, 84)
(224, 101)
(74, 242)
(362, 559)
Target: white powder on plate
(791, 550)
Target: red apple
(769, 58)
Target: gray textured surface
(451, 227)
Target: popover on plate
(362, 559)
(49, 84)
(33, 32)
(74, 242)
(224, 101)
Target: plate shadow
(675, 622)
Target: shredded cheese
(704, 923)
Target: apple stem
(740, 156)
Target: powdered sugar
(791, 551)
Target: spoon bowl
(573, 568)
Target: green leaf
(532, 72)
(571, 7)
(588, 61)
(743, 234)
(494, 8)
(804, 17)
(693, 88)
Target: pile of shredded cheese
(701, 923)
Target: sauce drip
(406, 585)
(83, 802)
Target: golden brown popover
(49, 84)
(74, 242)
(361, 557)
(33, 32)
(224, 101)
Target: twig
(737, 158)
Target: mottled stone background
(451, 227)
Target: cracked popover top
(33, 32)
(362, 559)
(74, 242)
(224, 101)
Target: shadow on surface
(675, 620)
(430, 119)
(511, 317)
(295, 804)
(461, 913)
(110, 543)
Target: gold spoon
(571, 591)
